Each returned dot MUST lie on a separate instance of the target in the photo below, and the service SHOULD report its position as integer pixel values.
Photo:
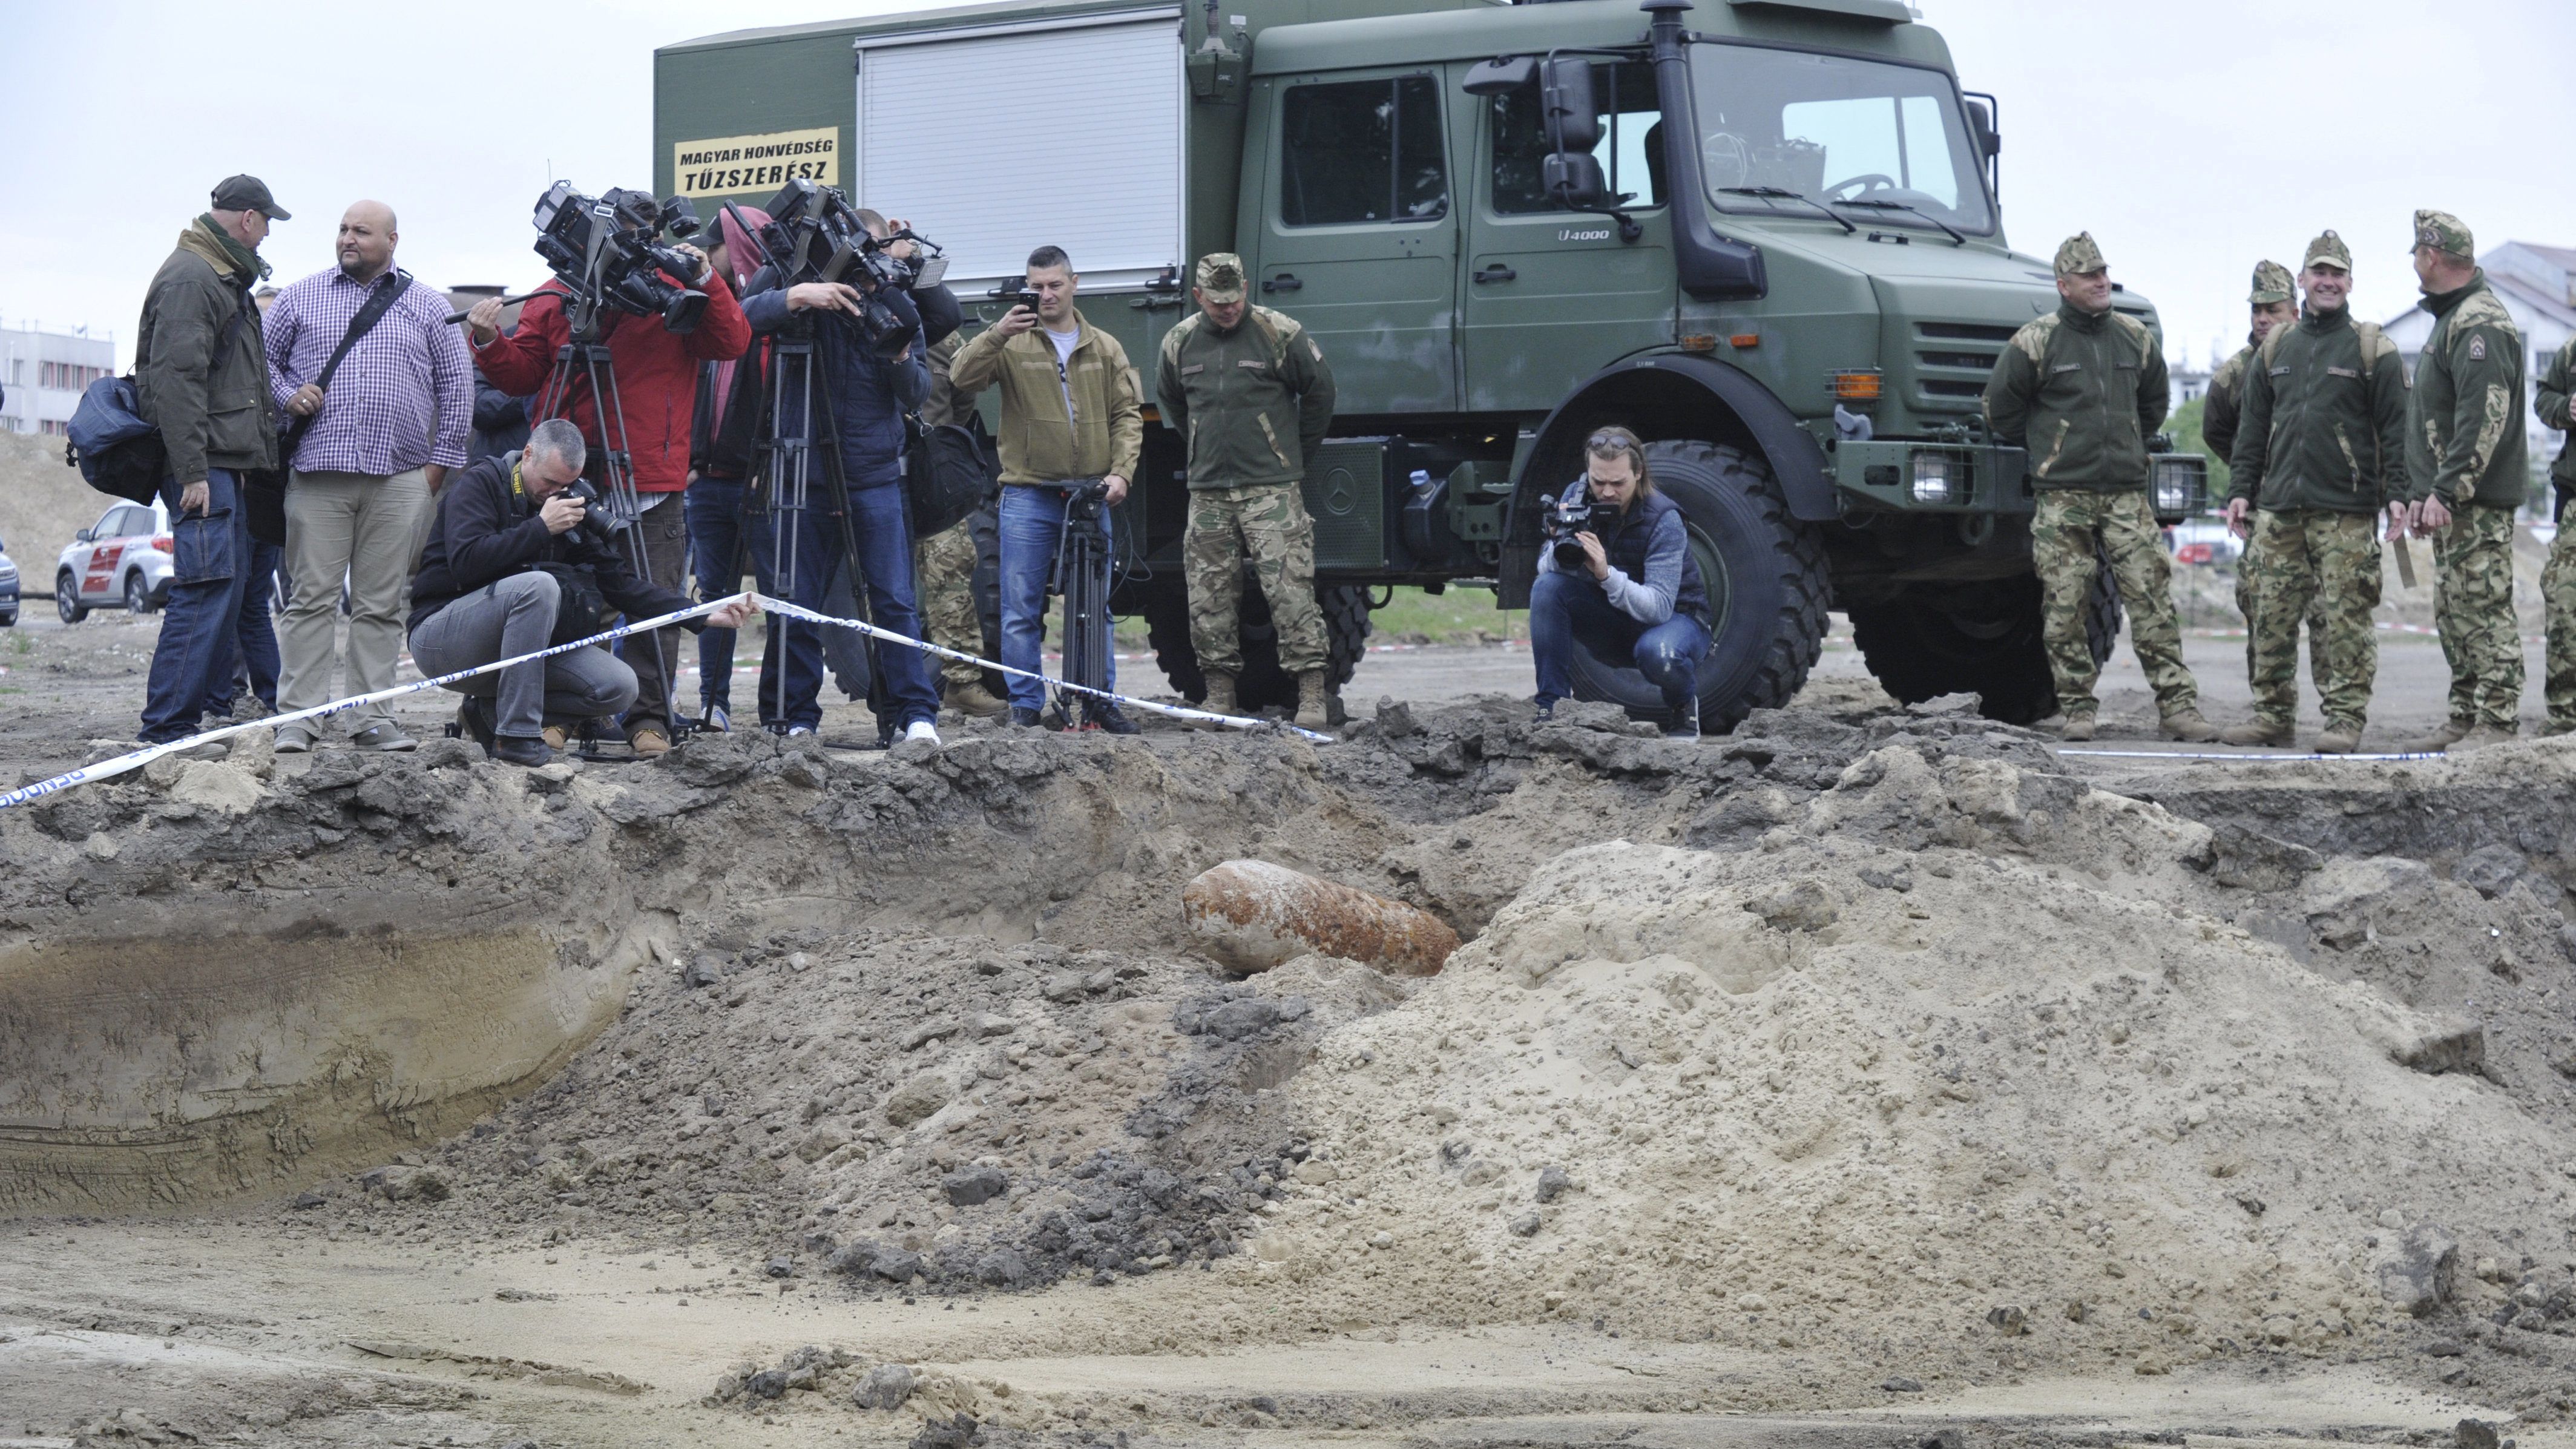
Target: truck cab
(1764, 234)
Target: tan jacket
(1038, 443)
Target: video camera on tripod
(816, 235)
(607, 251)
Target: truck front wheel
(1767, 588)
(1982, 639)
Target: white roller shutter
(997, 141)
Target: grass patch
(1459, 616)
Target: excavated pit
(1880, 1039)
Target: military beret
(2444, 232)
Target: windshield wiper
(1870, 205)
(1769, 192)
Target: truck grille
(1952, 378)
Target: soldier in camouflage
(2467, 462)
(2321, 454)
(944, 567)
(1251, 395)
(2558, 578)
(2274, 303)
(2082, 389)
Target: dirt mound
(42, 504)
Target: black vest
(1627, 550)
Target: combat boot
(972, 698)
(2451, 733)
(2485, 735)
(2187, 725)
(2339, 738)
(2077, 730)
(1220, 697)
(2261, 732)
(1314, 709)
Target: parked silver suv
(126, 556)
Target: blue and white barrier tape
(134, 760)
(797, 611)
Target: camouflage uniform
(943, 565)
(2464, 445)
(1253, 405)
(2223, 403)
(2082, 392)
(2558, 579)
(2321, 454)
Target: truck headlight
(2178, 484)
(1940, 478)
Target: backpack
(951, 471)
(117, 452)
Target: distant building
(44, 373)
(2188, 382)
(2538, 287)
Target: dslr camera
(1582, 514)
(608, 250)
(598, 519)
(815, 235)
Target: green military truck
(1762, 233)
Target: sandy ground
(571, 1283)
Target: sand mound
(42, 504)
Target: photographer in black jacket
(509, 550)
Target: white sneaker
(920, 729)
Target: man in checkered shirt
(358, 498)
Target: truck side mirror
(1981, 126)
(1574, 180)
(1500, 76)
(1565, 105)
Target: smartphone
(1022, 298)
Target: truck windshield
(1835, 129)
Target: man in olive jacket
(202, 375)
(2558, 578)
(2467, 463)
(1071, 416)
(2082, 389)
(2321, 453)
(1252, 396)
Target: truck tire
(1981, 639)
(1766, 580)
(1263, 683)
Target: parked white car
(2204, 541)
(124, 557)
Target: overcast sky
(2191, 137)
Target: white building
(44, 373)
(2538, 287)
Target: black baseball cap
(248, 193)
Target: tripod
(1082, 559)
(584, 361)
(796, 410)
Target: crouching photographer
(517, 562)
(1635, 601)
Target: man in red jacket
(657, 384)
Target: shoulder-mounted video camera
(816, 235)
(608, 251)
(1567, 517)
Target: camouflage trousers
(2323, 567)
(2473, 608)
(2558, 596)
(1266, 523)
(943, 571)
(2068, 528)
(2249, 577)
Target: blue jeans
(1568, 609)
(885, 557)
(719, 547)
(255, 656)
(1032, 529)
(210, 568)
